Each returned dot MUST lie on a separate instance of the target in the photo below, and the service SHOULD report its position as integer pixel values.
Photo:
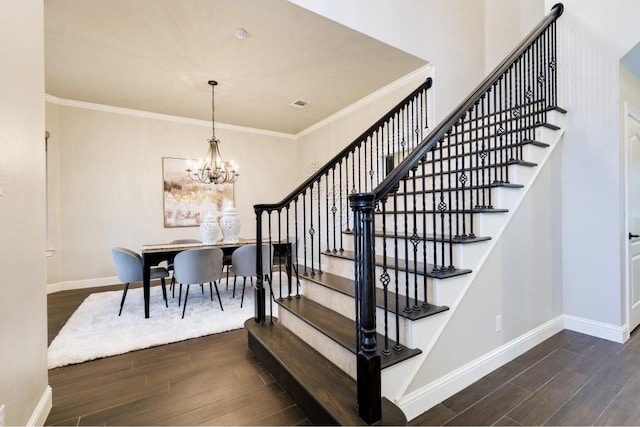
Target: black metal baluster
(326, 211)
(385, 279)
(498, 114)
(304, 228)
(334, 209)
(554, 66)
(359, 170)
(547, 71)
(457, 171)
(340, 198)
(442, 206)
(493, 137)
(312, 230)
(463, 178)
(519, 125)
(449, 191)
(270, 240)
(473, 170)
(485, 154)
(377, 161)
(415, 240)
(433, 213)
(319, 226)
(425, 303)
(397, 346)
(297, 236)
(510, 115)
(346, 187)
(290, 254)
(529, 95)
(407, 307)
(279, 254)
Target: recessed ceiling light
(240, 33)
(299, 103)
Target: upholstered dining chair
(243, 263)
(129, 270)
(170, 263)
(198, 266)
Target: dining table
(154, 254)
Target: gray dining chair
(198, 266)
(243, 263)
(129, 270)
(170, 263)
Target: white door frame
(630, 113)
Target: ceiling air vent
(299, 103)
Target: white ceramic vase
(210, 230)
(230, 224)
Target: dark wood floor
(570, 379)
(213, 380)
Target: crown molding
(158, 116)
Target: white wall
(448, 34)
(520, 281)
(108, 191)
(502, 28)
(23, 310)
(592, 178)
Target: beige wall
(23, 310)
(319, 145)
(108, 191)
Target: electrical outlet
(1, 415)
(498, 323)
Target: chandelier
(212, 169)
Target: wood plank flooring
(570, 379)
(213, 380)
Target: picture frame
(186, 202)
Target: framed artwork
(186, 202)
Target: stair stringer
(416, 395)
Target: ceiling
(157, 56)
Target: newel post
(259, 292)
(368, 358)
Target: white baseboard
(419, 401)
(40, 414)
(81, 284)
(597, 329)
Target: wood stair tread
(325, 393)
(418, 268)
(341, 329)
(347, 287)
(466, 188)
(419, 175)
(446, 211)
(431, 237)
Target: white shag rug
(95, 330)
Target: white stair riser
(463, 253)
(345, 305)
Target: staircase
(386, 237)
